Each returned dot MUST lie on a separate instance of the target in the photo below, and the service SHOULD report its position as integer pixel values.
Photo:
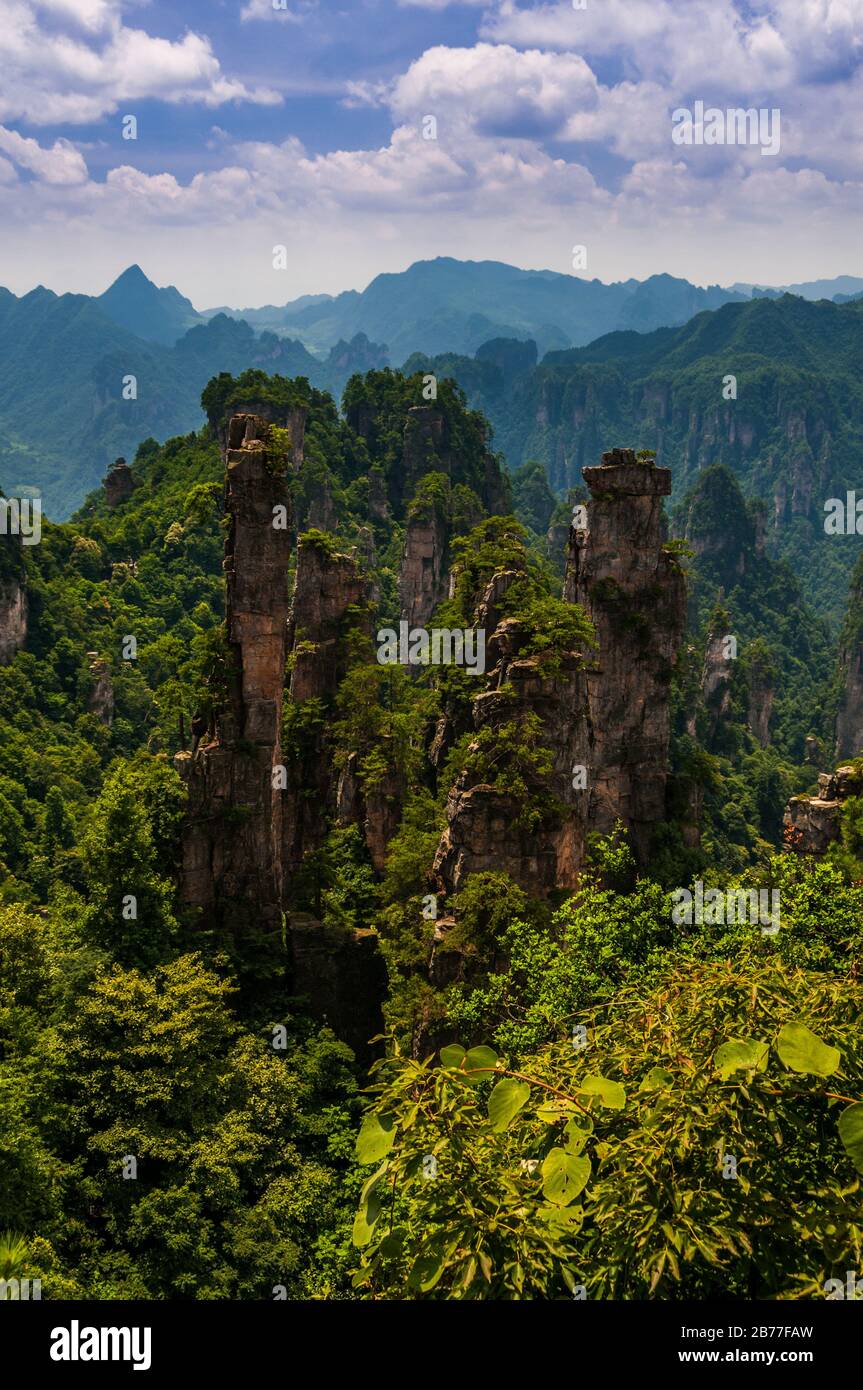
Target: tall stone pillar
(232, 847)
(634, 592)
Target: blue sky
(304, 126)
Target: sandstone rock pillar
(633, 590)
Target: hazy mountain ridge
(77, 389)
(792, 436)
(65, 412)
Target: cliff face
(326, 585)
(232, 849)
(13, 618)
(849, 714)
(541, 845)
(812, 823)
(761, 697)
(13, 598)
(100, 700)
(635, 595)
(487, 829)
(422, 574)
(603, 724)
(562, 420)
(119, 483)
(245, 829)
(849, 718)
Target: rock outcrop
(761, 696)
(240, 827)
(716, 682)
(119, 483)
(13, 596)
(849, 713)
(539, 839)
(327, 585)
(423, 579)
(100, 697)
(487, 827)
(13, 615)
(812, 823)
(232, 850)
(634, 592)
(13, 619)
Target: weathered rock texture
(849, 717)
(13, 598)
(119, 483)
(423, 578)
(241, 824)
(487, 829)
(232, 852)
(761, 697)
(716, 679)
(634, 592)
(327, 584)
(100, 698)
(812, 823)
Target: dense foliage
(583, 1097)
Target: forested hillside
(771, 388)
(80, 388)
(350, 790)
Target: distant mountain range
(793, 435)
(68, 405)
(157, 315)
(78, 388)
(447, 305)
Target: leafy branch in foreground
(714, 1166)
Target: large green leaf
(563, 1176)
(552, 1112)
(480, 1060)
(563, 1220)
(851, 1133)
(611, 1094)
(371, 1183)
(803, 1051)
(740, 1054)
(426, 1272)
(375, 1139)
(576, 1134)
(452, 1056)
(364, 1221)
(505, 1101)
(656, 1078)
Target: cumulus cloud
(553, 129)
(53, 76)
(727, 44)
(61, 164)
(495, 90)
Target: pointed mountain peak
(131, 277)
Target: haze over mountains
(84, 379)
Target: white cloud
(519, 120)
(89, 14)
(495, 90)
(61, 164)
(770, 44)
(54, 76)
